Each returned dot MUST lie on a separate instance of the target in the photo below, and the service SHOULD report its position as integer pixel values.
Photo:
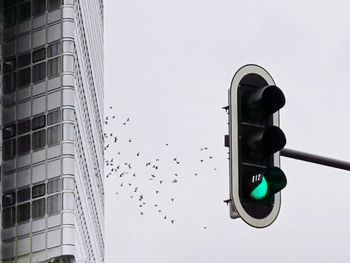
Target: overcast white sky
(168, 66)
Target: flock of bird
(132, 181)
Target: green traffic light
(260, 191)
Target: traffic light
(255, 140)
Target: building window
(38, 122)
(23, 212)
(9, 131)
(39, 54)
(38, 208)
(9, 17)
(8, 199)
(23, 195)
(23, 11)
(39, 7)
(68, 114)
(23, 77)
(54, 204)
(8, 217)
(38, 190)
(53, 5)
(54, 67)
(68, 131)
(54, 49)
(23, 60)
(39, 72)
(9, 82)
(23, 127)
(53, 117)
(9, 149)
(9, 65)
(54, 135)
(54, 186)
(39, 139)
(23, 144)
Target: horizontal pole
(313, 158)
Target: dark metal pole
(313, 158)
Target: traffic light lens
(260, 192)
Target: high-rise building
(52, 199)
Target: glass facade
(48, 92)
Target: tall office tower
(52, 124)
(1, 19)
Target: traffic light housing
(255, 140)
